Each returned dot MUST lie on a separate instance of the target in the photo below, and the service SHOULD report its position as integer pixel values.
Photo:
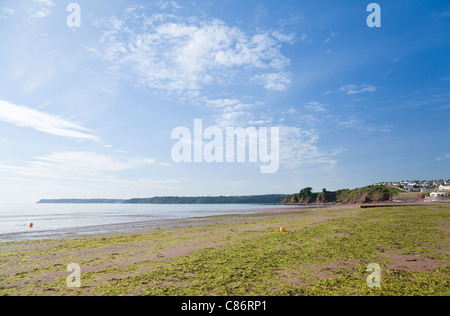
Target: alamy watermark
(74, 279)
(374, 279)
(74, 18)
(374, 19)
(228, 147)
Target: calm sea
(72, 220)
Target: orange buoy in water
(282, 229)
(31, 225)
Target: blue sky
(88, 112)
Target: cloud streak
(76, 165)
(43, 11)
(89, 168)
(23, 116)
(352, 89)
(444, 157)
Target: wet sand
(131, 227)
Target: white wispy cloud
(88, 161)
(444, 12)
(360, 124)
(274, 81)
(168, 4)
(352, 89)
(291, 111)
(91, 169)
(261, 13)
(298, 147)
(44, 11)
(7, 10)
(229, 112)
(444, 157)
(178, 55)
(328, 39)
(75, 165)
(315, 107)
(282, 37)
(48, 3)
(27, 117)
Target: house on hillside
(428, 189)
(438, 196)
(412, 187)
(444, 188)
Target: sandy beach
(325, 251)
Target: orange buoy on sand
(31, 225)
(282, 229)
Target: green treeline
(371, 193)
(250, 199)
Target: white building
(444, 188)
(437, 196)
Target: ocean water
(73, 220)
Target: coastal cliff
(372, 193)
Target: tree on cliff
(306, 195)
